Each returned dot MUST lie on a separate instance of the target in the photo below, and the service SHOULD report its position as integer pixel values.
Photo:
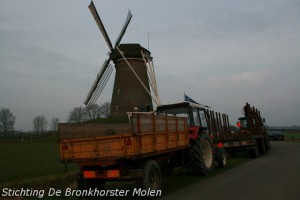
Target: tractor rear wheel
(201, 155)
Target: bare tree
(77, 115)
(54, 124)
(7, 120)
(105, 110)
(93, 111)
(40, 124)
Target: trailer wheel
(201, 154)
(232, 153)
(221, 157)
(151, 176)
(261, 146)
(267, 144)
(253, 153)
(84, 184)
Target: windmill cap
(130, 51)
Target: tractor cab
(194, 113)
(205, 134)
(243, 123)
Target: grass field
(21, 162)
(36, 164)
(292, 135)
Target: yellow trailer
(146, 135)
(132, 150)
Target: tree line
(40, 123)
(93, 111)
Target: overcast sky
(222, 53)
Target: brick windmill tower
(134, 74)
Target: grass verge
(292, 136)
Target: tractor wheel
(201, 155)
(84, 184)
(253, 153)
(221, 157)
(151, 176)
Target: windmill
(133, 78)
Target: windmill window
(117, 108)
(118, 91)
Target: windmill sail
(100, 25)
(129, 16)
(100, 76)
(98, 86)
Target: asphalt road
(273, 176)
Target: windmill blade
(100, 24)
(129, 16)
(97, 81)
(101, 85)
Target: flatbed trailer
(251, 136)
